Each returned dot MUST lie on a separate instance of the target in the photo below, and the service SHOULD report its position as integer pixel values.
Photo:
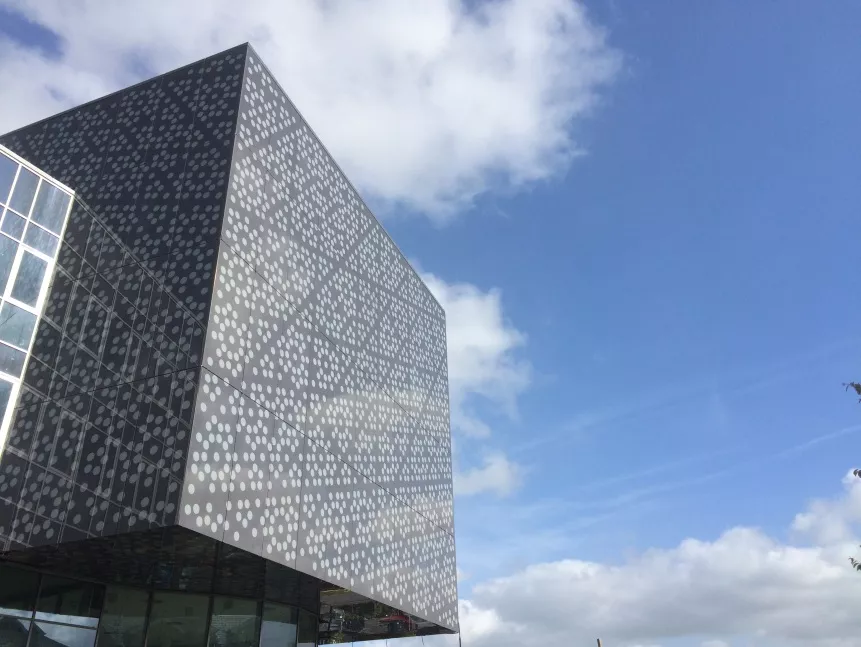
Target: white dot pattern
(98, 444)
(321, 435)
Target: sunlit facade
(224, 389)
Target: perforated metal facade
(233, 344)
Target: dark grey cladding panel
(319, 322)
(153, 162)
(99, 439)
(99, 442)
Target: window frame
(51, 263)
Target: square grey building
(224, 390)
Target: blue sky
(687, 287)
(679, 297)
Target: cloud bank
(742, 588)
(426, 104)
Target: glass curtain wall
(42, 610)
(33, 214)
(47, 611)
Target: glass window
(28, 282)
(8, 168)
(11, 360)
(178, 620)
(13, 632)
(279, 625)
(51, 207)
(234, 623)
(25, 189)
(124, 618)
(16, 325)
(5, 393)
(13, 225)
(47, 634)
(307, 629)
(38, 238)
(17, 587)
(8, 249)
(69, 601)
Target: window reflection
(46, 634)
(8, 249)
(51, 207)
(23, 191)
(178, 620)
(70, 613)
(28, 282)
(13, 632)
(11, 360)
(279, 627)
(5, 394)
(13, 225)
(8, 168)
(307, 629)
(16, 325)
(234, 623)
(40, 239)
(17, 587)
(76, 603)
(124, 618)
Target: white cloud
(482, 353)
(745, 583)
(484, 367)
(425, 103)
(832, 521)
(498, 475)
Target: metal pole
(599, 642)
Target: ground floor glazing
(40, 609)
